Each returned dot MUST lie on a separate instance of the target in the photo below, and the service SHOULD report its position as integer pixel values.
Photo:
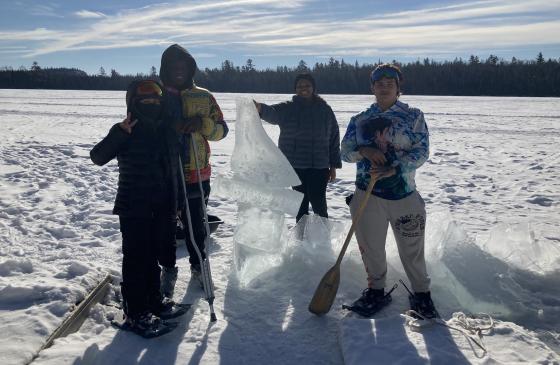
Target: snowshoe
(371, 302)
(422, 306)
(146, 325)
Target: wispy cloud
(13, 50)
(89, 14)
(44, 10)
(151, 20)
(39, 34)
(271, 27)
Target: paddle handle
(355, 220)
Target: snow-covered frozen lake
(492, 191)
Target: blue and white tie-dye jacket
(408, 137)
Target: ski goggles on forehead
(148, 88)
(384, 72)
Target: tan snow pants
(407, 217)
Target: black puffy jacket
(309, 133)
(148, 165)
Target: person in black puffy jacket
(147, 195)
(310, 140)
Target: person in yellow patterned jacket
(201, 120)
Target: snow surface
(492, 191)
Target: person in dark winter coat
(203, 121)
(147, 197)
(310, 140)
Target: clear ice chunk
(255, 156)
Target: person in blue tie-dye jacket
(390, 155)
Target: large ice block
(259, 242)
(261, 183)
(255, 156)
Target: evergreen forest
(492, 76)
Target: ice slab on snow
(259, 242)
(312, 243)
(318, 237)
(516, 244)
(466, 276)
(390, 341)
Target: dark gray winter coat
(309, 134)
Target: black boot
(371, 302)
(422, 304)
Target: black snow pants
(167, 253)
(196, 210)
(314, 189)
(142, 237)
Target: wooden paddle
(328, 286)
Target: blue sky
(129, 36)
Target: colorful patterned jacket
(189, 100)
(199, 102)
(408, 139)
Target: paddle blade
(326, 292)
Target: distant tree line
(493, 77)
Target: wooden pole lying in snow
(74, 321)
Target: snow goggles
(382, 72)
(148, 88)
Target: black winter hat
(308, 77)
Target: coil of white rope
(473, 326)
